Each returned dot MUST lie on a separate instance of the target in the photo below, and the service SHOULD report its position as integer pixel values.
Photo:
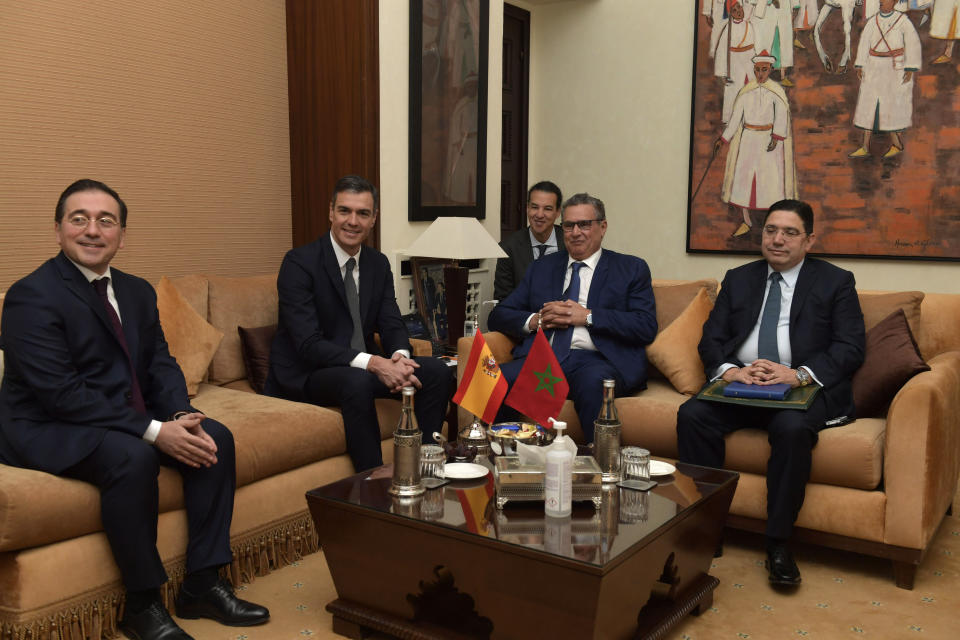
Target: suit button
(128, 395)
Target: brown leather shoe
(220, 604)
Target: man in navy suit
(91, 392)
(814, 334)
(541, 238)
(597, 306)
(335, 293)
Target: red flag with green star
(541, 387)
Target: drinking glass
(635, 463)
(432, 460)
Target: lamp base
(455, 286)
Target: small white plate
(659, 468)
(464, 470)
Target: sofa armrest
(421, 347)
(921, 459)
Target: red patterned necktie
(136, 397)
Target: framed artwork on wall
(851, 106)
(448, 108)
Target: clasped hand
(762, 372)
(395, 373)
(561, 314)
(185, 440)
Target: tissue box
(524, 482)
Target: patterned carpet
(843, 595)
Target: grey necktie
(353, 301)
(767, 341)
(541, 249)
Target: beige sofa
(879, 486)
(57, 577)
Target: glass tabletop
(589, 535)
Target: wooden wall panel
(333, 77)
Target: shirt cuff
(526, 325)
(403, 352)
(812, 374)
(361, 360)
(150, 435)
(722, 369)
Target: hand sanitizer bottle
(558, 483)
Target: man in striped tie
(784, 319)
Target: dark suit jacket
(510, 270)
(826, 325)
(314, 326)
(67, 379)
(620, 298)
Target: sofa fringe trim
(97, 616)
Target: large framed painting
(448, 108)
(850, 105)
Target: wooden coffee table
(450, 565)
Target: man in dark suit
(597, 306)
(543, 237)
(91, 392)
(335, 294)
(785, 319)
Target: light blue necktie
(769, 319)
(563, 338)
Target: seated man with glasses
(784, 319)
(91, 392)
(596, 305)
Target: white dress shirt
(153, 429)
(362, 359)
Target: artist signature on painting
(924, 244)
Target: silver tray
(525, 483)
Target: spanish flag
(483, 386)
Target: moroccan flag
(541, 387)
(483, 386)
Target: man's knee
(791, 430)
(220, 434)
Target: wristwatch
(803, 377)
(589, 319)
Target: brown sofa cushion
(255, 344)
(672, 299)
(191, 339)
(674, 352)
(877, 306)
(238, 302)
(891, 359)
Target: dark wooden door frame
(513, 201)
(333, 79)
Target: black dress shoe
(153, 623)
(783, 570)
(220, 604)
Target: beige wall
(396, 233)
(180, 106)
(610, 114)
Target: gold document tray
(524, 483)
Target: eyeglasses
(789, 232)
(105, 223)
(583, 224)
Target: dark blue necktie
(767, 341)
(562, 338)
(541, 249)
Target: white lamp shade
(455, 238)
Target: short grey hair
(585, 198)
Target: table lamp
(454, 238)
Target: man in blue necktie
(596, 305)
(784, 319)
